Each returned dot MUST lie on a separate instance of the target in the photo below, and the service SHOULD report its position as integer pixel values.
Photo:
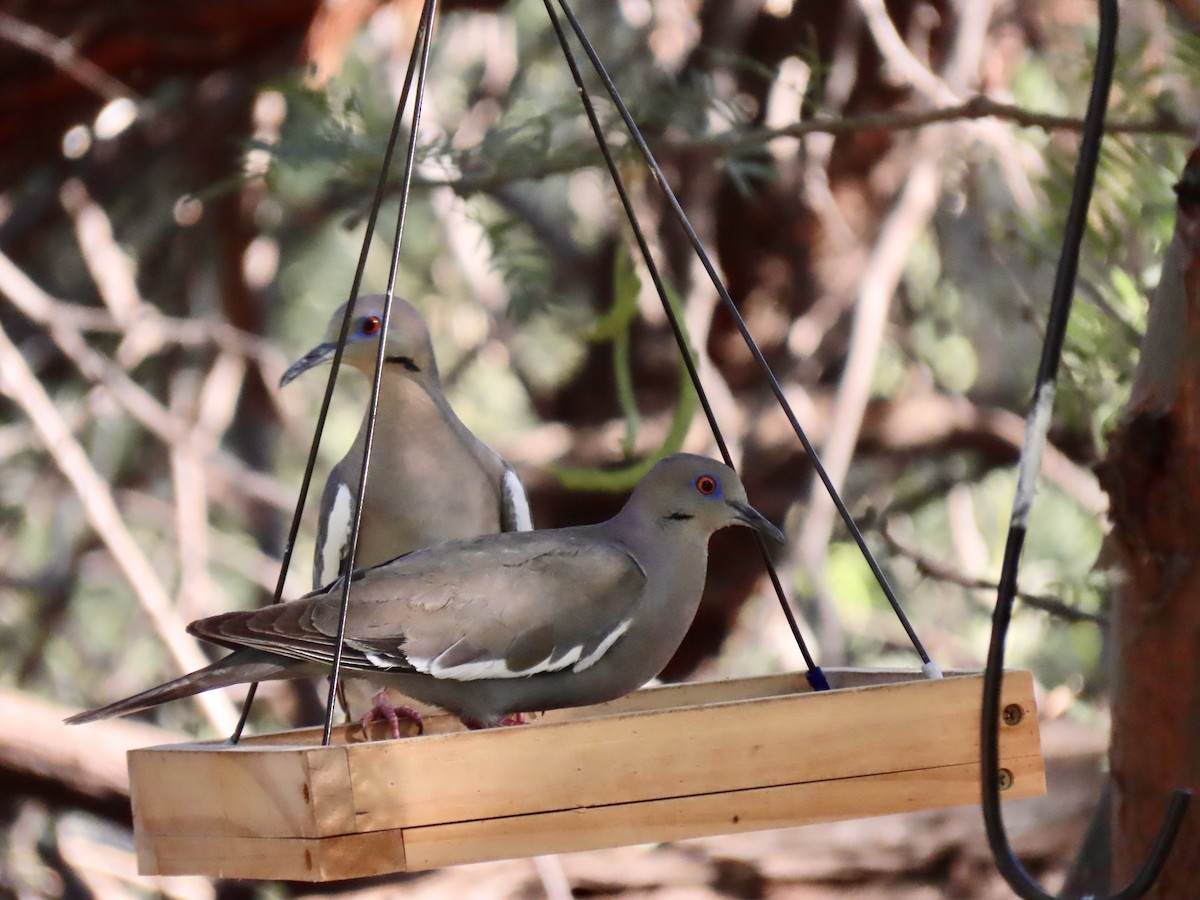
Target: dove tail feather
(238, 668)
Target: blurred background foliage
(198, 220)
(510, 248)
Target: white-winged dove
(499, 624)
(431, 479)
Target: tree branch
(728, 143)
(143, 407)
(35, 744)
(940, 571)
(21, 386)
(881, 276)
(64, 57)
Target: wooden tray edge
(423, 847)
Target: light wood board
(662, 764)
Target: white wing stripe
(337, 534)
(592, 658)
(514, 494)
(570, 659)
(497, 668)
(382, 662)
(472, 671)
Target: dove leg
(382, 708)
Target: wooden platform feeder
(661, 764)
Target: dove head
(698, 495)
(409, 350)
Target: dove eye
(370, 325)
(706, 485)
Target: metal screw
(1006, 779)
(1012, 714)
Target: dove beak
(321, 353)
(751, 517)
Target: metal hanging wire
(929, 667)
(1037, 424)
(420, 54)
(418, 67)
(816, 677)
(428, 17)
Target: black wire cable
(427, 17)
(1038, 422)
(701, 253)
(336, 362)
(816, 677)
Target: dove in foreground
(504, 623)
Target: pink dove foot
(383, 710)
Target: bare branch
(113, 273)
(110, 267)
(19, 383)
(940, 571)
(144, 408)
(195, 590)
(34, 743)
(902, 60)
(63, 55)
(881, 275)
(229, 553)
(882, 272)
(218, 396)
(980, 106)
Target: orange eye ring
(370, 325)
(707, 485)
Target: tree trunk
(1152, 474)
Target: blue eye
(707, 485)
(370, 325)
